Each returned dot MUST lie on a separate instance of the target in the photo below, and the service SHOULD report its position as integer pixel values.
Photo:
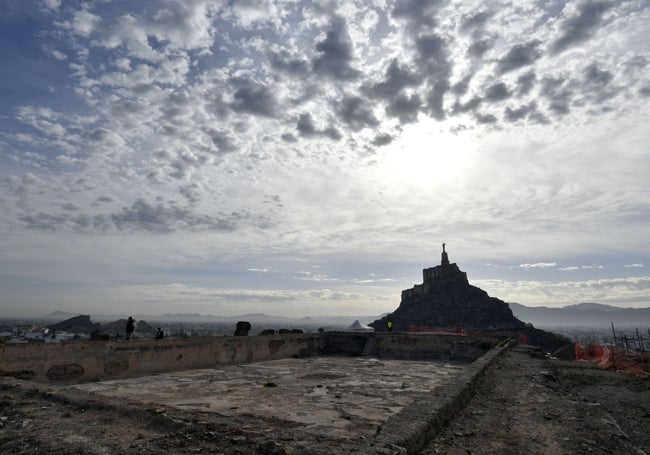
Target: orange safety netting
(611, 357)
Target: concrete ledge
(411, 429)
(96, 360)
(93, 360)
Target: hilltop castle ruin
(446, 300)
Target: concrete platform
(331, 397)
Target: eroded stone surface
(332, 396)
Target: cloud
(356, 113)
(285, 62)
(480, 47)
(581, 26)
(613, 291)
(396, 78)
(525, 83)
(306, 128)
(52, 4)
(520, 113)
(141, 216)
(475, 21)
(419, 14)
(253, 98)
(405, 107)
(497, 92)
(382, 139)
(485, 119)
(336, 53)
(558, 95)
(518, 56)
(538, 265)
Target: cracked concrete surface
(340, 397)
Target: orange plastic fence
(627, 361)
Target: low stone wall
(411, 429)
(407, 345)
(93, 360)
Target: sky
(305, 158)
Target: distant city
(59, 326)
(584, 323)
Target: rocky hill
(446, 300)
(77, 324)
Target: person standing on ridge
(130, 327)
(390, 326)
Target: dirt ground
(525, 404)
(528, 404)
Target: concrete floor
(323, 394)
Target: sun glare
(424, 155)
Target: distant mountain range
(255, 318)
(588, 315)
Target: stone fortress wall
(96, 360)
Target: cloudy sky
(299, 157)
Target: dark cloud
(70, 207)
(284, 62)
(461, 87)
(557, 94)
(288, 137)
(471, 105)
(176, 104)
(191, 192)
(253, 98)
(432, 51)
(382, 139)
(497, 92)
(434, 62)
(163, 218)
(582, 26)
(598, 84)
(645, 91)
(397, 78)
(404, 107)
(184, 162)
(520, 113)
(306, 128)
(596, 76)
(356, 113)
(332, 133)
(525, 83)
(305, 125)
(475, 21)
(97, 135)
(217, 105)
(479, 47)
(519, 56)
(222, 140)
(485, 119)
(142, 216)
(336, 55)
(435, 100)
(638, 62)
(418, 13)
